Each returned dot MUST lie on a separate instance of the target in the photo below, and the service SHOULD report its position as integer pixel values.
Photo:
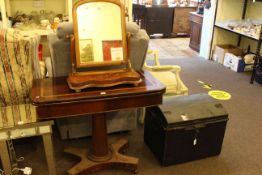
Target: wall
(59, 6)
(229, 9)
(207, 30)
(27, 6)
(3, 12)
(128, 4)
(254, 10)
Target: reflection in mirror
(99, 32)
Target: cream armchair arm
(169, 75)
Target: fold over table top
(53, 98)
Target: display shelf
(227, 11)
(257, 58)
(224, 26)
(10, 7)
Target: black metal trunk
(185, 128)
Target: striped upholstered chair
(18, 66)
(16, 76)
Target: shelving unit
(237, 10)
(225, 27)
(10, 7)
(258, 58)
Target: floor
(172, 48)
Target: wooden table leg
(49, 152)
(101, 156)
(6, 163)
(99, 150)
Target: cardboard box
(221, 50)
(234, 62)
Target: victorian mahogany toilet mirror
(98, 44)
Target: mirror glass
(99, 36)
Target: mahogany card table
(54, 99)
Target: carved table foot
(114, 159)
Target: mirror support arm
(72, 44)
(126, 13)
(128, 36)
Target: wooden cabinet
(181, 24)
(165, 20)
(196, 29)
(158, 20)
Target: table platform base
(115, 159)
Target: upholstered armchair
(60, 50)
(18, 119)
(169, 75)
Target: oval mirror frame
(91, 57)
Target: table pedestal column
(101, 155)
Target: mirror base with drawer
(82, 80)
(99, 49)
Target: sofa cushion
(17, 115)
(64, 29)
(132, 27)
(138, 49)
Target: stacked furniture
(61, 66)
